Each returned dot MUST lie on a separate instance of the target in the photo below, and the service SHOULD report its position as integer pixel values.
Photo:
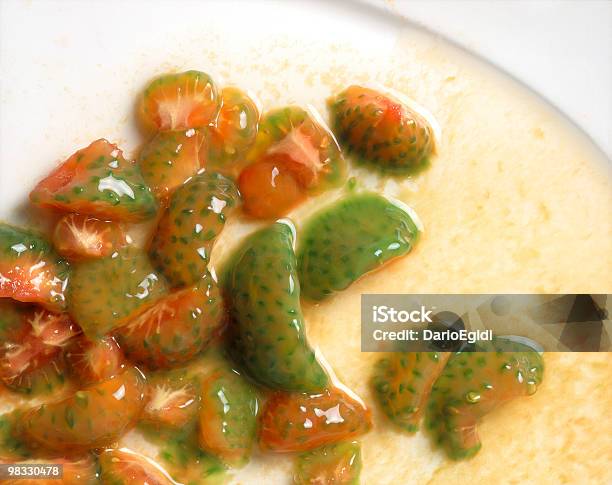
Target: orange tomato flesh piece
(180, 101)
(234, 131)
(170, 404)
(298, 154)
(37, 342)
(293, 422)
(30, 269)
(97, 180)
(91, 418)
(79, 236)
(31, 281)
(175, 328)
(93, 361)
(126, 467)
(53, 329)
(26, 356)
(269, 189)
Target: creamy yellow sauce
(516, 201)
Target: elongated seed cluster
(348, 239)
(473, 384)
(402, 382)
(189, 227)
(268, 325)
(106, 293)
(381, 131)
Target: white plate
(562, 50)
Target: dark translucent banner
(554, 323)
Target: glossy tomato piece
(47, 377)
(300, 140)
(52, 329)
(92, 361)
(170, 158)
(299, 422)
(126, 467)
(402, 383)
(181, 457)
(173, 400)
(78, 237)
(189, 228)
(75, 471)
(297, 153)
(30, 269)
(234, 131)
(269, 190)
(176, 328)
(228, 418)
(473, 384)
(98, 181)
(337, 464)
(93, 417)
(109, 292)
(382, 131)
(179, 102)
(31, 359)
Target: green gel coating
(350, 238)
(267, 321)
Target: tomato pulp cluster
(112, 334)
